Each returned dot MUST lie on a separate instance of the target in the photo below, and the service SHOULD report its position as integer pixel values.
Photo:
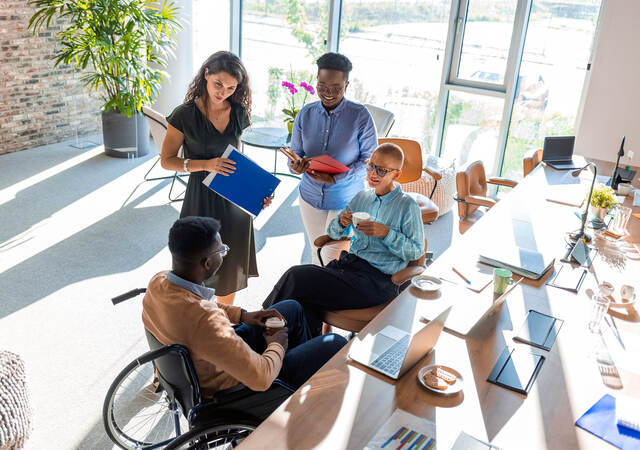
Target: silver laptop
(392, 351)
(558, 152)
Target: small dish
(451, 388)
(623, 303)
(426, 283)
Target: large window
(397, 51)
(280, 41)
(516, 74)
(471, 128)
(554, 63)
(486, 38)
(489, 83)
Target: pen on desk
(461, 276)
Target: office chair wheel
(219, 435)
(134, 415)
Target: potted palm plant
(120, 46)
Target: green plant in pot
(120, 46)
(602, 200)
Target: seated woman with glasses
(386, 243)
(336, 127)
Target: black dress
(203, 141)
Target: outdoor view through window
(397, 49)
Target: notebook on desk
(521, 261)
(539, 330)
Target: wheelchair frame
(226, 426)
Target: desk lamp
(581, 234)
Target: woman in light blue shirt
(341, 129)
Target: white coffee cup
(274, 323)
(624, 188)
(627, 292)
(358, 217)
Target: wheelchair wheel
(214, 436)
(134, 415)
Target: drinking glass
(622, 218)
(600, 308)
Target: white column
(180, 68)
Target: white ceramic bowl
(426, 283)
(451, 388)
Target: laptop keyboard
(391, 360)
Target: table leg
(282, 174)
(275, 162)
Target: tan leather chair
(411, 171)
(471, 183)
(355, 320)
(531, 161)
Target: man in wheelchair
(178, 309)
(382, 245)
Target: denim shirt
(405, 240)
(347, 134)
(200, 290)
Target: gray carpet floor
(78, 228)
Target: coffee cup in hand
(358, 217)
(273, 324)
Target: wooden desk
(343, 405)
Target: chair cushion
(446, 187)
(428, 209)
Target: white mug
(627, 292)
(358, 217)
(624, 188)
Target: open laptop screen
(558, 148)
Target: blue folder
(247, 187)
(600, 420)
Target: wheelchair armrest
(480, 200)
(502, 181)
(404, 275)
(435, 173)
(279, 382)
(325, 239)
(241, 401)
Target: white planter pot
(598, 213)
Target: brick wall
(38, 104)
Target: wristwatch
(184, 165)
(242, 312)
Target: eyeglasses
(329, 90)
(223, 250)
(380, 171)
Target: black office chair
(138, 415)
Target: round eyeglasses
(329, 90)
(380, 171)
(222, 250)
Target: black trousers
(347, 283)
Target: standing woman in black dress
(214, 113)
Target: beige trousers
(316, 222)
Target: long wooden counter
(344, 404)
